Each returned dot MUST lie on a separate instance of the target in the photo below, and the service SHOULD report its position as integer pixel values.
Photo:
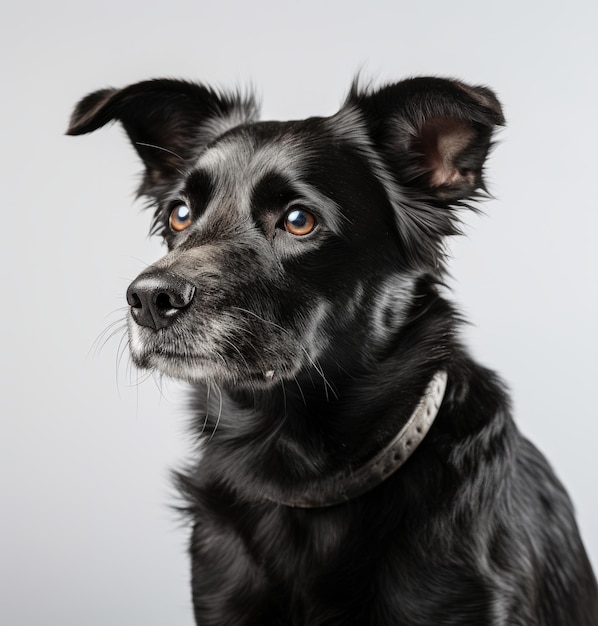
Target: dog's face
(294, 247)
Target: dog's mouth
(193, 368)
(243, 351)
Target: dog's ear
(433, 134)
(168, 121)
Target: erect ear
(168, 121)
(433, 134)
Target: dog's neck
(349, 484)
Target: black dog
(357, 466)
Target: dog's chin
(195, 368)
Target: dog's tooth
(269, 374)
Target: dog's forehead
(252, 151)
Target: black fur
(308, 352)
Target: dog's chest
(328, 562)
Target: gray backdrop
(87, 536)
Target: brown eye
(299, 222)
(180, 218)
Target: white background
(87, 535)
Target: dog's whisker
(207, 416)
(343, 370)
(232, 345)
(104, 337)
(158, 380)
(318, 368)
(151, 145)
(219, 414)
(300, 390)
(262, 319)
(139, 260)
(143, 377)
(221, 357)
(122, 350)
(284, 397)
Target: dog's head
(295, 245)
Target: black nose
(156, 298)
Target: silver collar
(345, 485)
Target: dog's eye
(180, 218)
(299, 222)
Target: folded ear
(433, 134)
(168, 121)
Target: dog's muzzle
(157, 298)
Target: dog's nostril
(133, 300)
(163, 302)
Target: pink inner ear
(442, 140)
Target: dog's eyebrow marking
(199, 189)
(272, 192)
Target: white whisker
(151, 145)
(219, 414)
